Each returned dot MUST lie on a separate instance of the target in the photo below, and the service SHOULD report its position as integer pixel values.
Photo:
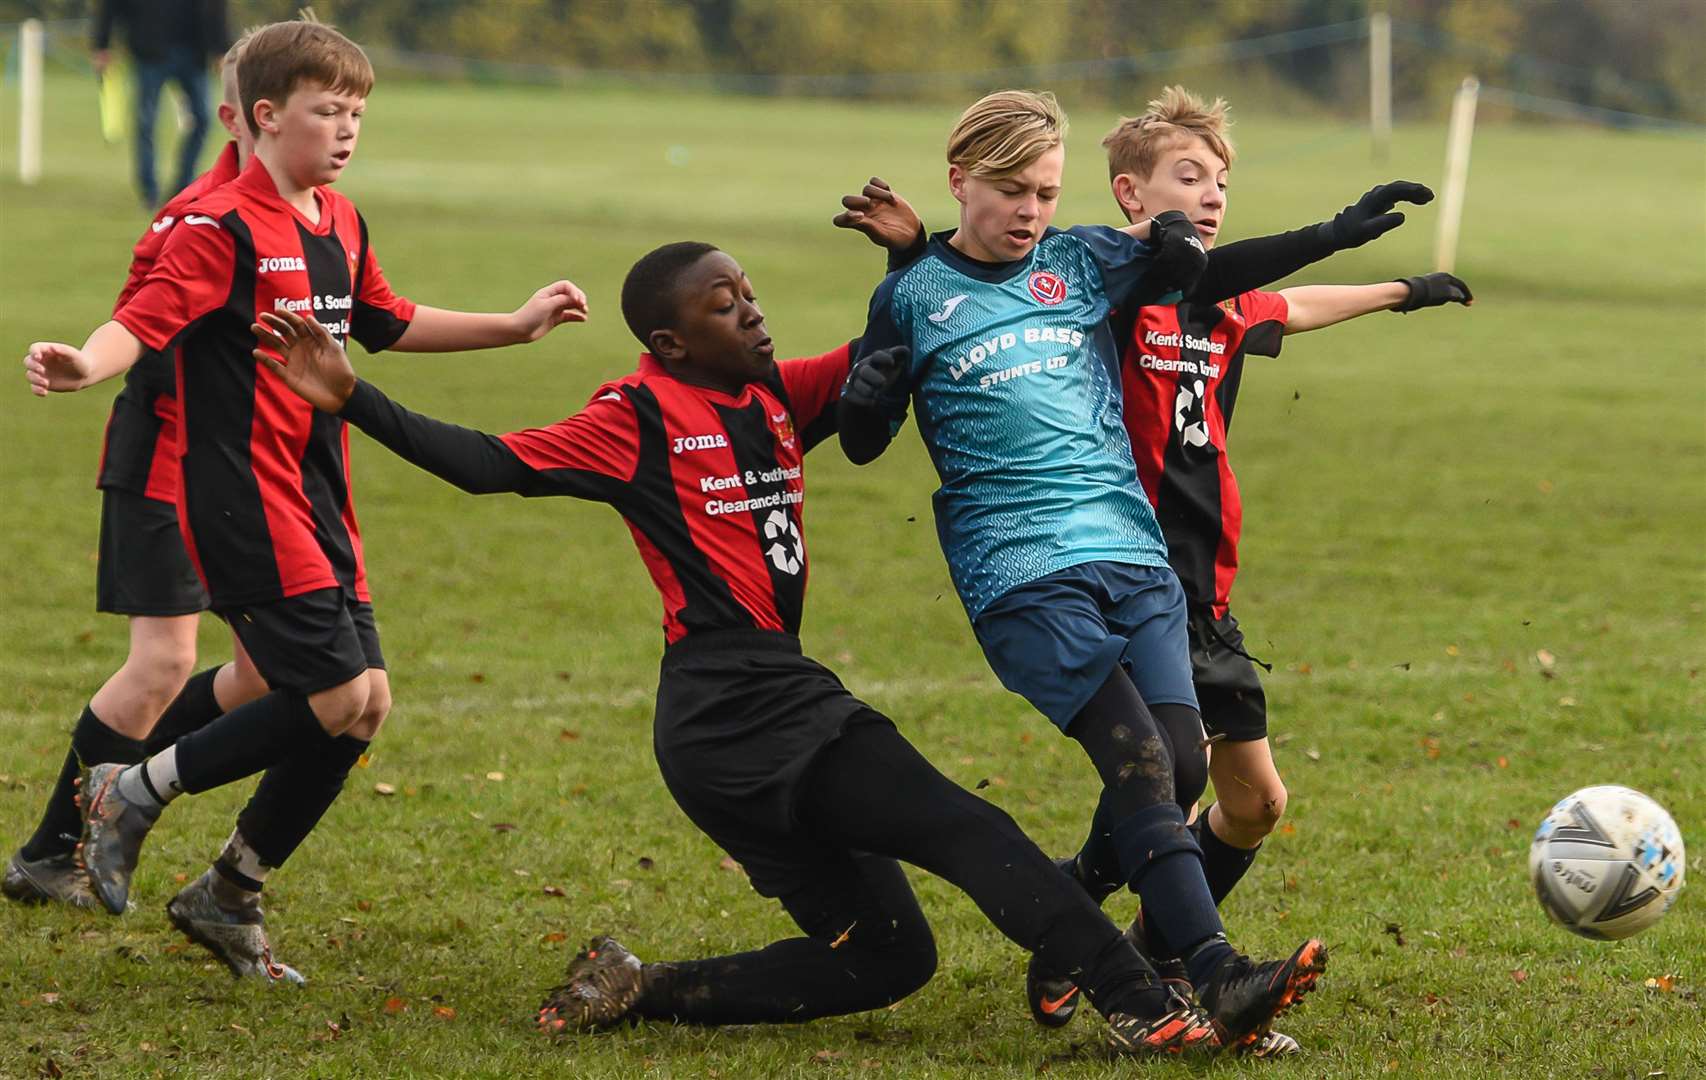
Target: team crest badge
(1049, 288)
(783, 425)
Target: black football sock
(294, 795)
(1223, 865)
(246, 740)
(92, 743)
(193, 709)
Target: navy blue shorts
(1055, 640)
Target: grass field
(1432, 501)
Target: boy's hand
(1371, 216)
(874, 375)
(52, 367)
(1179, 255)
(1432, 290)
(315, 367)
(881, 214)
(549, 308)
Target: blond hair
(1004, 132)
(281, 57)
(1137, 142)
(228, 67)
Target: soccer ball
(1606, 862)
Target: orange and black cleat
(1185, 1030)
(1244, 997)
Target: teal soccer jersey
(1015, 379)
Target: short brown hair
(1137, 142)
(1004, 132)
(283, 56)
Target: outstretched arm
(441, 330)
(53, 367)
(316, 368)
(1311, 307)
(1251, 264)
(863, 420)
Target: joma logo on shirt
(269, 264)
(684, 443)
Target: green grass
(1431, 500)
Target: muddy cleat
(603, 984)
(113, 831)
(1272, 1045)
(1187, 1029)
(1244, 997)
(56, 879)
(228, 922)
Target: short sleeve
(1265, 315)
(1123, 259)
(379, 316)
(813, 385)
(191, 279)
(599, 443)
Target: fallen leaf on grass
(1664, 984)
(1546, 661)
(1520, 976)
(364, 905)
(555, 890)
(519, 872)
(477, 677)
(1452, 650)
(1513, 824)
(241, 1030)
(443, 1012)
(1288, 829)
(383, 788)
(568, 735)
(180, 878)
(1396, 931)
(824, 1057)
(495, 777)
(1312, 754)
(50, 1068)
(502, 827)
(393, 1006)
(1566, 702)
(555, 937)
(729, 863)
(364, 761)
(1504, 762)
(53, 999)
(1430, 746)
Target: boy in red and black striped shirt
(142, 572)
(1180, 372)
(265, 500)
(813, 791)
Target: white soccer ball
(1607, 862)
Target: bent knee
(1255, 811)
(1190, 779)
(340, 708)
(372, 718)
(909, 962)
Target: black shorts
(143, 567)
(741, 717)
(310, 642)
(1228, 688)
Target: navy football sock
(193, 709)
(92, 743)
(1165, 868)
(1223, 865)
(246, 740)
(295, 794)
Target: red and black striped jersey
(1180, 376)
(711, 484)
(265, 500)
(139, 447)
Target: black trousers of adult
(870, 799)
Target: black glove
(1432, 290)
(1180, 258)
(874, 375)
(1371, 216)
